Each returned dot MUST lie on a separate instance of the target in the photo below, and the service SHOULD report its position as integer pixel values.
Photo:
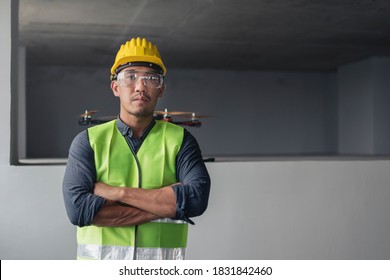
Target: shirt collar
(126, 130)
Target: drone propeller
(173, 113)
(88, 113)
(191, 115)
(194, 116)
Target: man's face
(138, 89)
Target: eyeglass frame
(145, 78)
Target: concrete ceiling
(303, 35)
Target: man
(131, 185)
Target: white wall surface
(294, 209)
(326, 209)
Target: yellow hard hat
(137, 52)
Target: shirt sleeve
(193, 193)
(78, 183)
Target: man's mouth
(142, 98)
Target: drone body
(191, 118)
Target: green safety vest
(152, 167)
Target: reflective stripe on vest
(92, 251)
(152, 167)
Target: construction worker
(131, 185)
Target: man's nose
(140, 84)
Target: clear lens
(150, 79)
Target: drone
(189, 118)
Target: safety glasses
(149, 79)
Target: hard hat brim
(138, 59)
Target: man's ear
(114, 88)
(160, 94)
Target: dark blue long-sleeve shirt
(80, 176)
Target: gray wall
(293, 209)
(363, 102)
(263, 109)
(255, 113)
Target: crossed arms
(132, 206)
